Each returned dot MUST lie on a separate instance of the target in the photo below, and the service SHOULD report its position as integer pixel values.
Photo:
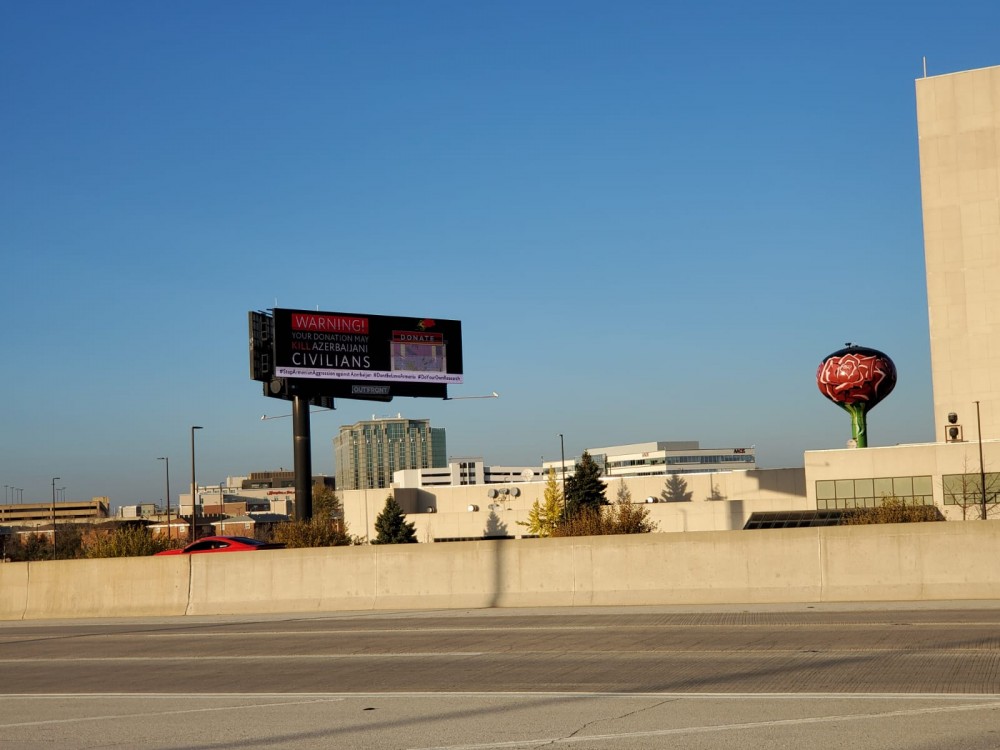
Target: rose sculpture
(855, 379)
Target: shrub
(585, 522)
(123, 541)
(628, 518)
(29, 548)
(316, 532)
(892, 510)
(621, 518)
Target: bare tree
(967, 492)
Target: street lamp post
(982, 469)
(54, 479)
(562, 452)
(167, 460)
(194, 490)
(221, 512)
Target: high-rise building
(958, 124)
(367, 453)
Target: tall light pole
(194, 491)
(167, 459)
(562, 452)
(982, 470)
(54, 479)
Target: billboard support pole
(303, 458)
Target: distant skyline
(653, 222)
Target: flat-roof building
(616, 462)
(368, 453)
(666, 457)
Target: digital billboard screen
(366, 348)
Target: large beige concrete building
(958, 124)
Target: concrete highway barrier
(889, 562)
(115, 587)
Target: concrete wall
(863, 563)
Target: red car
(222, 544)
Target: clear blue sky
(653, 219)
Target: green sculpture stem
(859, 422)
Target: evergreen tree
(391, 525)
(544, 517)
(585, 490)
(676, 490)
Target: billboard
(367, 350)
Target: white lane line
(977, 698)
(736, 653)
(243, 657)
(358, 631)
(709, 729)
(194, 633)
(255, 706)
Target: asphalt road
(918, 676)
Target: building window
(967, 489)
(836, 494)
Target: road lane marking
(708, 729)
(150, 714)
(981, 699)
(243, 657)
